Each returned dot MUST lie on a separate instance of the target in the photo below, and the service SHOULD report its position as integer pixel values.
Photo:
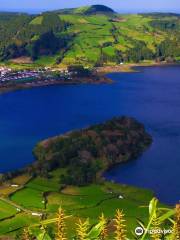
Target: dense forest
(92, 36)
(86, 153)
(19, 36)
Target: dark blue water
(152, 96)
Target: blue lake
(151, 95)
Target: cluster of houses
(7, 75)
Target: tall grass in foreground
(160, 219)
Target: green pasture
(43, 185)
(37, 21)
(6, 210)
(29, 198)
(78, 202)
(12, 225)
(92, 32)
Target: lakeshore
(130, 67)
(99, 76)
(24, 79)
(35, 193)
(50, 82)
(76, 150)
(60, 109)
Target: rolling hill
(91, 35)
(87, 10)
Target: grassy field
(92, 38)
(43, 185)
(29, 198)
(37, 21)
(94, 35)
(95, 32)
(12, 225)
(21, 180)
(47, 195)
(6, 210)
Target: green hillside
(87, 10)
(45, 196)
(92, 36)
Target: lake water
(151, 95)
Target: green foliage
(78, 202)
(21, 220)
(47, 44)
(169, 48)
(24, 35)
(79, 71)
(157, 217)
(83, 230)
(10, 26)
(37, 20)
(90, 36)
(88, 152)
(166, 24)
